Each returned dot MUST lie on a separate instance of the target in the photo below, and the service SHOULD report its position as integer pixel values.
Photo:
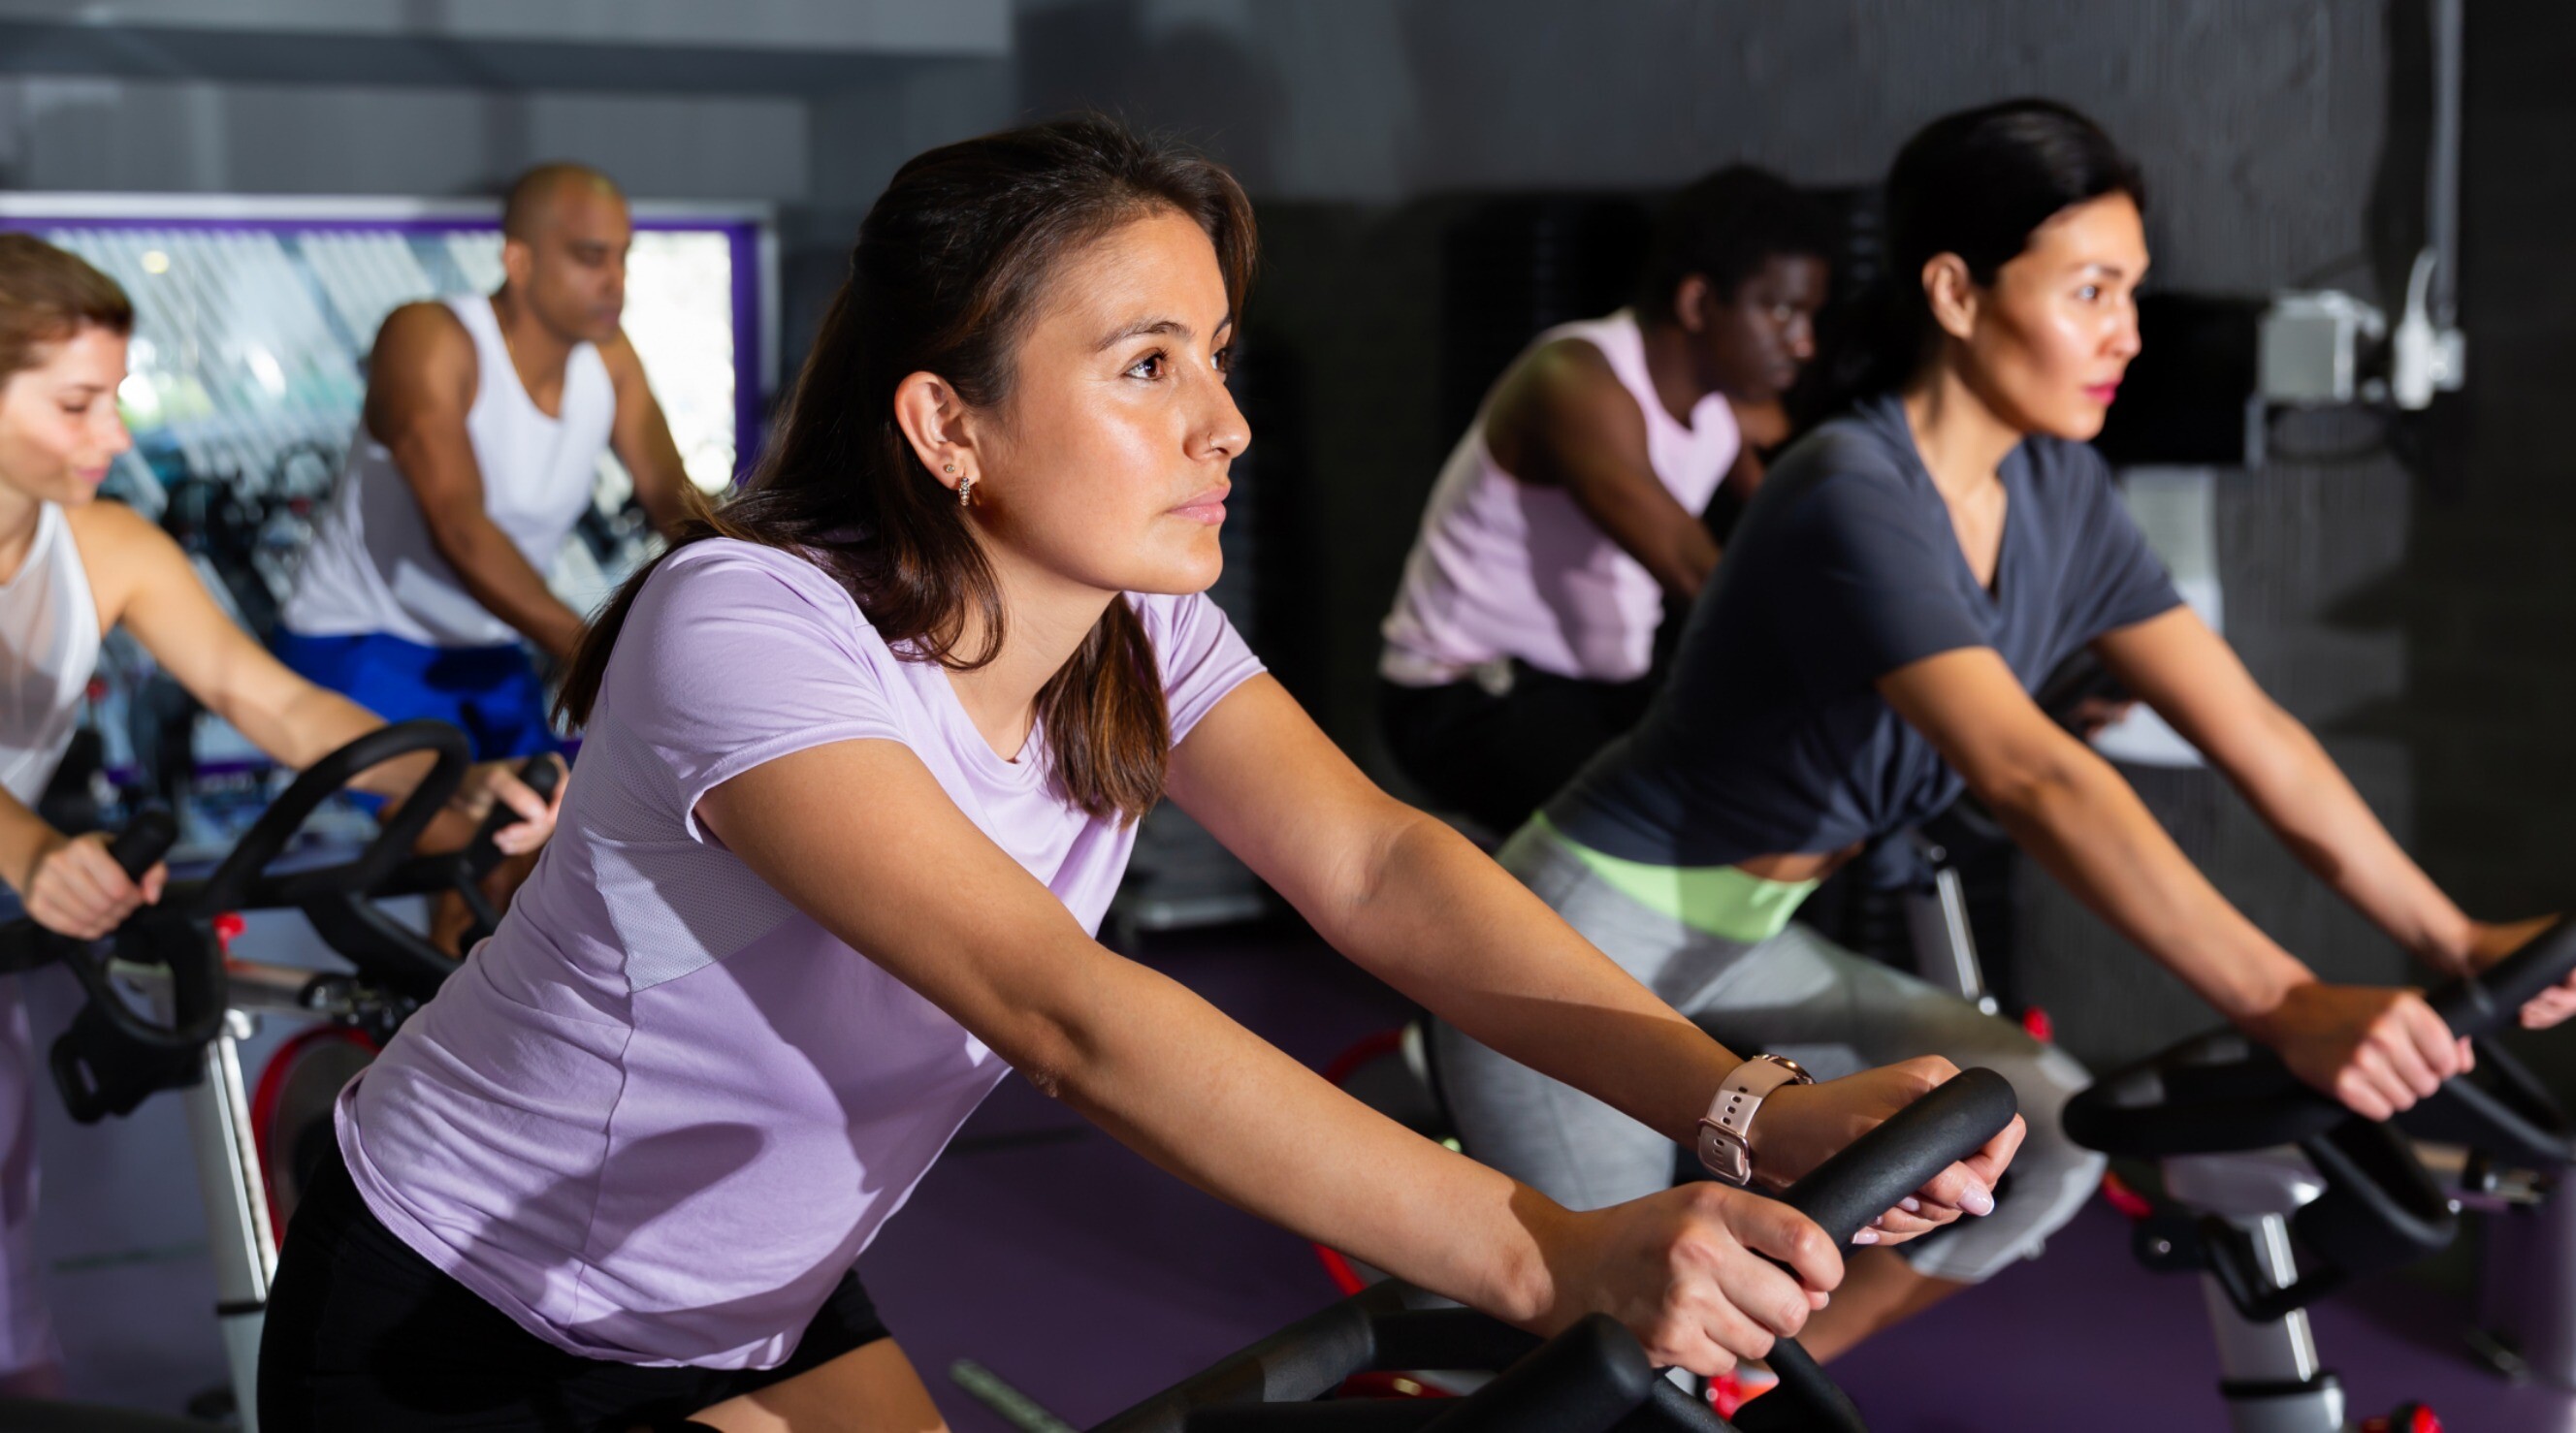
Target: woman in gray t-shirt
(1908, 576)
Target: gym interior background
(2407, 595)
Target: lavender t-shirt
(658, 1114)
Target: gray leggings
(1796, 994)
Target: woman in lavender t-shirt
(863, 760)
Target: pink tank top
(1506, 569)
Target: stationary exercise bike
(2280, 1195)
(197, 1004)
(1592, 1378)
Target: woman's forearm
(311, 722)
(1438, 920)
(2089, 830)
(1178, 1082)
(2311, 805)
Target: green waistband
(1725, 901)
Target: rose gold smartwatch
(1726, 1131)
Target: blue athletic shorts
(490, 693)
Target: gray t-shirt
(1770, 736)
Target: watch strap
(1726, 1131)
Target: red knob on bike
(228, 928)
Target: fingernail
(1910, 1205)
(1978, 1199)
(1866, 1236)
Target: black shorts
(364, 1333)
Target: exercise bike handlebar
(1872, 1173)
(541, 774)
(1860, 1182)
(2491, 1001)
(1593, 1375)
(143, 842)
(25, 944)
(173, 933)
(2219, 1091)
(240, 880)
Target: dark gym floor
(1084, 1277)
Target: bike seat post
(2269, 1370)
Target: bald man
(484, 422)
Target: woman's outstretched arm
(859, 835)
(2189, 674)
(2376, 1049)
(145, 583)
(1424, 910)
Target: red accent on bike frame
(1370, 1047)
(1383, 1384)
(272, 1088)
(229, 926)
(2128, 1201)
(1339, 1071)
(1339, 1270)
(2036, 1024)
(1727, 1393)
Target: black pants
(365, 1334)
(1497, 759)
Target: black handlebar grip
(1874, 1172)
(2492, 1000)
(1591, 1376)
(540, 773)
(143, 842)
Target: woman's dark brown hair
(951, 266)
(47, 296)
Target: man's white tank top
(1504, 569)
(372, 566)
(48, 651)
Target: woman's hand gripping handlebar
(80, 887)
(1707, 1274)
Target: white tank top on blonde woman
(1504, 569)
(372, 566)
(48, 651)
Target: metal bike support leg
(2268, 1372)
(238, 1235)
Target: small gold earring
(948, 468)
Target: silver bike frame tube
(1936, 925)
(238, 1235)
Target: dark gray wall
(2259, 119)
